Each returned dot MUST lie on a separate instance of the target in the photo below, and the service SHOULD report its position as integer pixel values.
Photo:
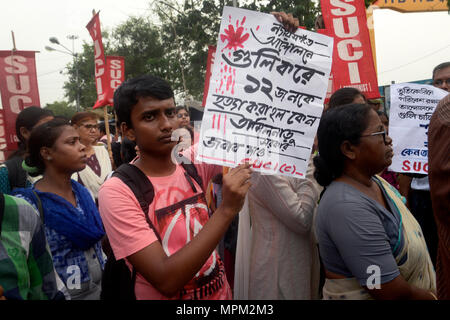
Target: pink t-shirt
(128, 231)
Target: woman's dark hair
(339, 124)
(344, 96)
(43, 135)
(28, 118)
(129, 92)
(102, 128)
(127, 150)
(178, 108)
(79, 117)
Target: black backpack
(117, 280)
(16, 174)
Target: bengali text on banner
(412, 106)
(266, 94)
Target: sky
(408, 45)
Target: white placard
(412, 106)
(266, 94)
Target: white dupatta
(88, 177)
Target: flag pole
(106, 119)
(13, 40)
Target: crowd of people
(72, 214)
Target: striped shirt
(26, 267)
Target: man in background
(439, 176)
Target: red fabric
(439, 174)
(391, 177)
(229, 260)
(18, 89)
(115, 74)
(209, 68)
(100, 71)
(353, 65)
(2, 137)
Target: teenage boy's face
(153, 122)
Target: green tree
(61, 108)
(305, 11)
(187, 30)
(139, 41)
(176, 49)
(86, 69)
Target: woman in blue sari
(73, 225)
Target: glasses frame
(383, 133)
(91, 126)
(182, 115)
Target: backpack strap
(191, 169)
(143, 190)
(39, 205)
(141, 186)
(2, 209)
(16, 175)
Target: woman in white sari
(370, 244)
(99, 163)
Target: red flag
(100, 71)
(18, 89)
(353, 66)
(3, 145)
(115, 72)
(209, 68)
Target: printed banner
(3, 145)
(353, 65)
(115, 72)
(413, 5)
(266, 94)
(412, 106)
(18, 88)
(100, 71)
(209, 68)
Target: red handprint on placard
(235, 38)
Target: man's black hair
(344, 96)
(129, 92)
(440, 67)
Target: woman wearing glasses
(370, 244)
(183, 117)
(184, 121)
(98, 162)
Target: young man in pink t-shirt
(184, 263)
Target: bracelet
(434, 296)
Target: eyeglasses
(182, 115)
(383, 133)
(91, 126)
(441, 82)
